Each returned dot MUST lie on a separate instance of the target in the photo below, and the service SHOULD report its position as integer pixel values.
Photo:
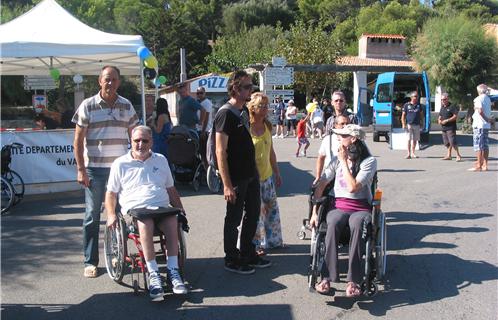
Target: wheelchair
(374, 233)
(118, 258)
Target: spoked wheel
(17, 183)
(182, 251)
(8, 195)
(115, 250)
(381, 247)
(317, 259)
(196, 182)
(213, 180)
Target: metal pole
(142, 84)
(183, 68)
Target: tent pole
(142, 83)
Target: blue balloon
(143, 53)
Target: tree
(311, 45)
(235, 51)
(456, 54)
(484, 10)
(253, 13)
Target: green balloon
(162, 79)
(55, 73)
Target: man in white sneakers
(143, 179)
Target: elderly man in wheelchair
(353, 171)
(142, 179)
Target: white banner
(46, 156)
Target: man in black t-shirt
(448, 120)
(237, 166)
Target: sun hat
(353, 130)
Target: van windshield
(384, 92)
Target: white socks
(152, 266)
(172, 262)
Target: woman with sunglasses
(269, 231)
(353, 170)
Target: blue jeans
(94, 196)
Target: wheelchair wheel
(17, 183)
(381, 247)
(7, 195)
(213, 180)
(115, 250)
(301, 235)
(182, 251)
(317, 259)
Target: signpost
(277, 76)
(39, 83)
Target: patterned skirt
(269, 231)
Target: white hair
(482, 89)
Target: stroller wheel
(301, 235)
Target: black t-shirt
(240, 150)
(446, 113)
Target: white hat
(291, 101)
(353, 130)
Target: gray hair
(482, 89)
(444, 95)
(142, 128)
(338, 93)
(413, 93)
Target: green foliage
(456, 54)
(484, 10)
(256, 45)
(311, 45)
(251, 13)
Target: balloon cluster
(55, 73)
(151, 66)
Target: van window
(384, 92)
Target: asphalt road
(442, 245)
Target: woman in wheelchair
(142, 179)
(353, 170)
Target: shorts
(303, 141)
(280, 121)
(449, 138)
(481, 140)
(318, 125)
(413, 132)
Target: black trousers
(246, 209)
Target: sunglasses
(141, 140)
(339, 100)
(344, 135)
(200, 92)
(246, 86)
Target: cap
(291, 101)
(353, 130)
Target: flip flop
(260, 252)
(90, 272)
(446, 158)
(323, 287)
(459, 160)
(353, 290)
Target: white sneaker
(176, 281)
(281, 136)
(156, 291)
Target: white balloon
(78, 78)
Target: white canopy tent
(49, 36)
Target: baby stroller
(184, 157)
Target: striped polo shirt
(107, 129)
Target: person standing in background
(448, 120)
(161, 127)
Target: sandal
(260, 252)
(323, 287)
(446, 158)
(353, 290)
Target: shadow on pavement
(294, 179)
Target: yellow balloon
(311, 107)
(151, 62)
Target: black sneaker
(259, 262)
(239, 268)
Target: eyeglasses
(246, 86)
(338, 100)
(144, 141)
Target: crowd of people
(248, 167)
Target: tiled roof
(357, 61)
(384, 36)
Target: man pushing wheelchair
(142, 179)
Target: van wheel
(376, 136)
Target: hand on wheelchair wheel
(112, 222)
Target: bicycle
(10, 177)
